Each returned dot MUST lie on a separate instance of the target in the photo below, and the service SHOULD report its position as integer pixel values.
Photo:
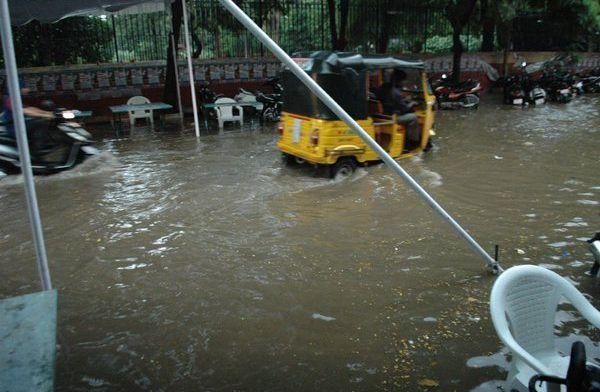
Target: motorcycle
(590, 84)
(54, 145)
(206, 95)
(453, 96)
(268, 104)
(557, 87)
(514, 94)
(272, 106)
(581, 376)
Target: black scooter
(557, 87)
(581, 377)
(272, 103)
(54, 145)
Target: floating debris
(318, 316)
(588, 202)
(427, 382)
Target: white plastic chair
(225, 113)
(140, 113)
(523, 306)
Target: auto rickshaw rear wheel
(344, 167)
(288, 159)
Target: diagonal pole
(341, 113)
(14, 89)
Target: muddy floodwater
(186, 265)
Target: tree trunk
(505, 38)
(332, 24)
(457, 49)
(458, 14)
(170, 90)
(487, 27)
(384, 35)
(342, 42)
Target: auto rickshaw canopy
(322, 62)
(343, 75)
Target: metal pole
(177, 76)
(12, 77)
(188, 49)
(341, 113)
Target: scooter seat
(9, 152)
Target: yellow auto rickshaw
(310, 132)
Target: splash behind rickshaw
(311, 133)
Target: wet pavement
(186, 265)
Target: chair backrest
(225, 111)
(523, 305)
(139, 100)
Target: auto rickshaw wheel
(344, 167)
(288, 159)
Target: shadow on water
(184, 264)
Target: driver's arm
(36, 112)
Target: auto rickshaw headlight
(314, 137)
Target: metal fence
(408, 25)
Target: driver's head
(398, 77)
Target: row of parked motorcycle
(553, 84)
(266, 105)
(521, 89)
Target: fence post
(114, 29)
(260, 22)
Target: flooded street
(185, 265)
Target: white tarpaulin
(23, 11)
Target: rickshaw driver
(395, 100)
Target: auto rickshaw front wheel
(344, 167)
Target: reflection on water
(184, 265)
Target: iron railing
(410, 27)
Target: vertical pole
(114, 28)
(188, 49)
(12, 77)
(177, 76)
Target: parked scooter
(557, 87)
(581, 376)
(514, 94)
(453, 96)
(268, 104)
(206, 95)
(534, 94)
(54, 145)
(272, 102)
(246, 96)
(272, 106)
(590, 84)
